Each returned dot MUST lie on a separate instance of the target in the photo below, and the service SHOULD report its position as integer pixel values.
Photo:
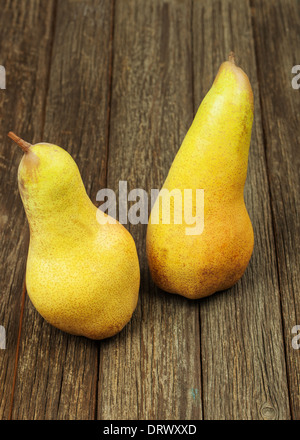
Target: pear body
(213, 157)
(82, 271)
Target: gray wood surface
(58, 372)
(117, 84)
(242, 345)
(152, 369)
(22, 108)
(277, 45)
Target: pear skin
(82, 272)
(213, 157)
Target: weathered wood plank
(57, 373)
(276, 32)
(22, 26)
(151, 370)
(243, 364)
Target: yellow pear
(82, 271)
(213, 158)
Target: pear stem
(22, 144)
(231, 57)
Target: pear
(82, 272)
(213, 158)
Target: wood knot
(268, 412)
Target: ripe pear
(213, 157)
(82, 272)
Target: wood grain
(57, 373)
(151, 370)
(117, 84)
(276, 32)
(21, 109)
(243, 364)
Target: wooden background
(117, 84)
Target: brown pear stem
(231, 57)
(22, 144)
